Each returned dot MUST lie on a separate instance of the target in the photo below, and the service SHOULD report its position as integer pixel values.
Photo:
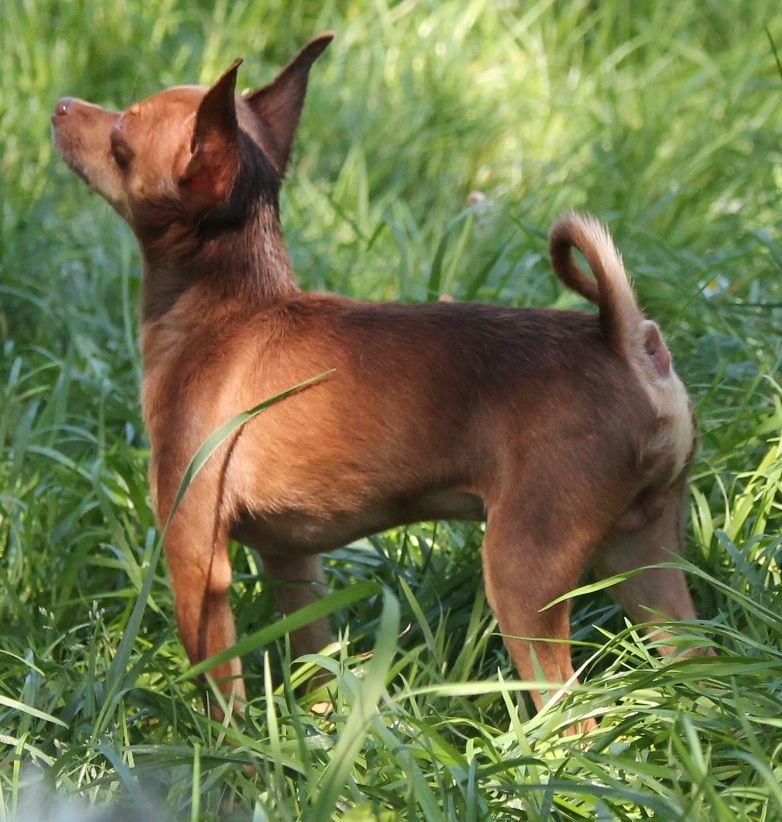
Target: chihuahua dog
(568, 432)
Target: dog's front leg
(197, 552)
(299, 581)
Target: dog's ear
(214, 149)
(279, 104)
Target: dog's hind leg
(532, 556)
(522, 578)
(653, 594)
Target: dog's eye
(122, 153)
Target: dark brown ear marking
(279, 104)
(210, 173)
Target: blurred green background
(439, 142)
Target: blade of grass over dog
(292, 622)
(481, 688)
(215, 440)
(593, 587)
(363, 708)
(115, 675)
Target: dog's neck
(244, 263)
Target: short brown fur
(569, 432)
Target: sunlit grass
(439, 142)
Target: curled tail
(620, 316)
(626, 330)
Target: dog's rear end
(650, 530)
(601, 477)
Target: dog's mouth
(71, 151)
(98, 177)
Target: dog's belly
(300, 530)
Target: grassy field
(666, 122)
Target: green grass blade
(363, 709)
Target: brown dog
(569, 432)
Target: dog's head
(189, 156)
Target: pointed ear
(214, 150)
(279, 104)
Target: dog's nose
(62, 107)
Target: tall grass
(664, 119)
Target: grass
(666, 123)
